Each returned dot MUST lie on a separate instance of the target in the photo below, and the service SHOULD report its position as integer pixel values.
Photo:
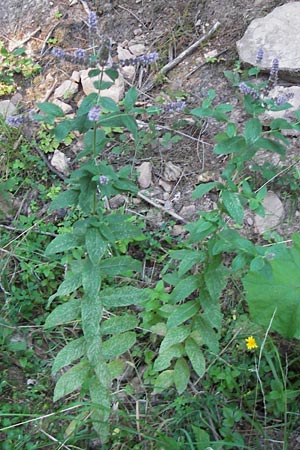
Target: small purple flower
(16, 121)
(149, 58)
(259, 56)
(94, 113)
(283, 98)
(92, 21)
(58, 52)
(175, 106)
(247, 90)
(80, 54)
(274, 72)
(103, 179)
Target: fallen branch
(188, 51)
(19, 44)
(162, 208)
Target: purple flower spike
(259, 56)
(247, 90)
(80, 54)
(176, 106)
(58, 52)
(15, 121)
(94, 113)
(92, 21)
(148, 58)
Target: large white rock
(115, 92)
(278, 34)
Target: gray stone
(115, 92)
(15, 13)
(66, 90)
(274, 212)
(7, 108)
(145, 175)
(60, 162)
(287, 114)
(64, 106)
(277, 34)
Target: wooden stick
(188, 51)
(162, 208)
(19, 44)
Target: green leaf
(123, 296)
(196, 357)
(163, 381)
(182, 313)
(62, 243)
(108, 104)
(91, 314)
(119, 324)
(100, 409)
(233, 206)
(215, 278)
(163, 361)
(72, 380)
(72, 351)
(202, 438)
(62, 130)
(207, 333)
(64, 200)
(184, 288)
(204, 188)
(181, 375)
(175, 336)
(188, 258)
(277, 293)
(95, 244)
(119, 265)
(91, 279)
(50, 109)
(271, 145)
(130, 98)
(72, 282)
(67, 312)
(252, 131)
(101, 84)
(117, 345)
(236, 144)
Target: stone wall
(16, 13)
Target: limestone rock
(127, 71)
(66, 90)
(274, 212)
(172, 172)
(276, 34)
(145, 175)
(188, 211)
(60, 162)
(64, 106)
(115, 92)
(7, 108)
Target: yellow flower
(251, 343)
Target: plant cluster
(194, 351)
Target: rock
(145, 175)
(288, 114)
(167, 187)
(276, 34)
(64, 106)
(274, 212)
(75, 76)
(60, 162)
(172, 172)
(66, 90)
(115, 92)
(7, 108)
(177, 230)
(187, 211)
(117, 201)
(128, 71)
(137, 49)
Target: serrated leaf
(234, 144)
(109, 104)
(181, 375)
(253, 129)
(91, 279)
(72, 351)
(174, 336)
(64, 200)
(163, 381)
(119, 324)
(163, 361)
(130, 98)
(182, 313)
(65, 313)
(95, 244)
(100, 408)
(233, 205)
(116, 368)
(184, 288)
(216, 279)
(273, 146)
(196, 356)
(276, 292)
(50, 109)
(72, 380)
(71, 283)
(207, 334)
(123, 296)
(204, 188)
(62, 243)
(117, 345)
(119, 265)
